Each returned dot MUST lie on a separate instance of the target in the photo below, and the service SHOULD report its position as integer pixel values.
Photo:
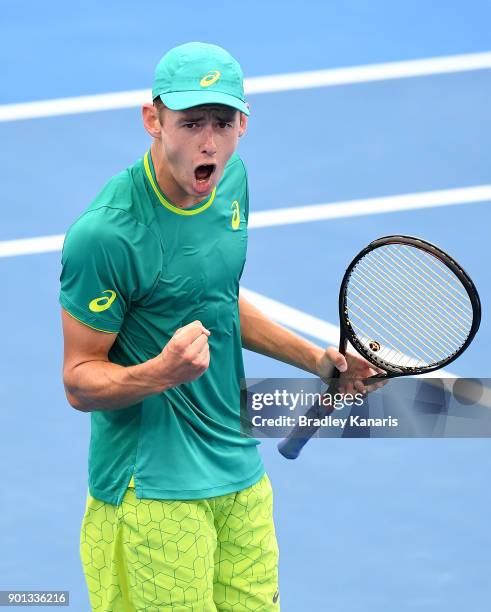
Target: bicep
(83, 343)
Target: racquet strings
(407, 308)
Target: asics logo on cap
(104, 302)
(211, 77)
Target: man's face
(197, 143)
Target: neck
(167, 184)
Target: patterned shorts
(203, 555)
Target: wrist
(318, 357)
(154, 376)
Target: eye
(190, 126)
(224, 124)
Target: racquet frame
(347, 333)
(291, 446)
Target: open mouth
(204, 172)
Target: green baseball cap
(199, 73)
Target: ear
(243, 123)
(151, 120)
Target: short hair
(159, 105)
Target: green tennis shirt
(138, 266)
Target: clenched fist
(186, 356)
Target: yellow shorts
(204, 555)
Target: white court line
(300, 214)
(370, 206)
(31, 246)
(258, 85)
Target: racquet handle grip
(290, 447)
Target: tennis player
(179, 511)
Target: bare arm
(262, 335)
(92, 382)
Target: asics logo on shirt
(235, 215)
(103, 302)
(211, 77)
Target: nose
(209, 145)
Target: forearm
(263, 335)
(102, 385)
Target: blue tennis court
(363, 525)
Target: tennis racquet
(407, 307)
